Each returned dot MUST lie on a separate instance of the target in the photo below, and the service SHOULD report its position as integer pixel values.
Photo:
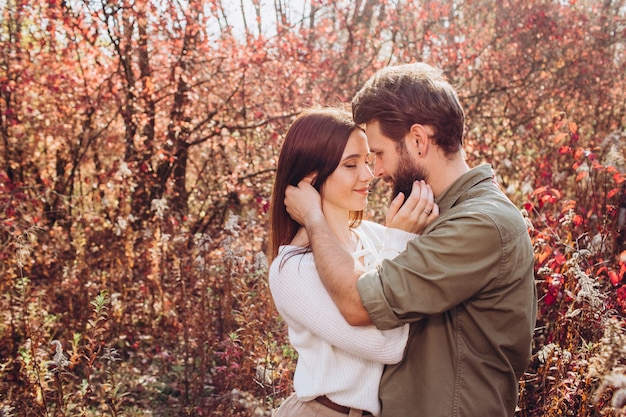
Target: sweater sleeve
(395, 241)
(304, 303)
(383, 242)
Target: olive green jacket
(467, 287)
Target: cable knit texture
(335, 359)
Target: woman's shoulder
(291, 269)
(296, 251)
(291, 256)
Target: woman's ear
(311, 178)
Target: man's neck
(445, 172)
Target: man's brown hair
(403, 95)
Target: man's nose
(379, 171)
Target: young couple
(432, 315)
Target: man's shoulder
(488, 206)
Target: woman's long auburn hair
(314, 144)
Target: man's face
(383, 150)
(407, 171)
(392, 163)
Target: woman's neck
(339, 223)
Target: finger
(306, 182)
(414, 198)
(420, 201)
(288, 193)
(395, 205)
(434, 213)
(294, 193)
(426, 198)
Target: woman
(339, 366)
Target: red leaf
(614, 277)
(578, 153)
(559, 258)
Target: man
(466, 284)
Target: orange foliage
(138, 142)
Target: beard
(406, 174)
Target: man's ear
(419, 134)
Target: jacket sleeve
(436, 272)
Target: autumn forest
(138, 144)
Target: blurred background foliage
(138, 142)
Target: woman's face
(347, 188)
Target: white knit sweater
(335, 359)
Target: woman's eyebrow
(354, 155)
